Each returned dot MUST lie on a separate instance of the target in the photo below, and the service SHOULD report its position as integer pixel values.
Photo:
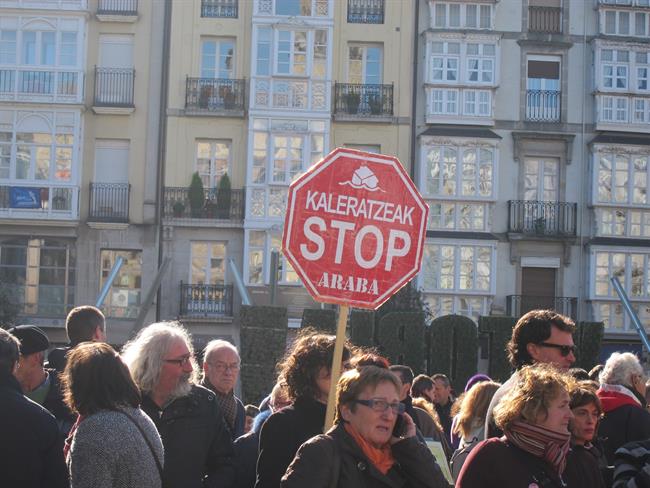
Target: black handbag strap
(146, 439)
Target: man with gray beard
(198, 447)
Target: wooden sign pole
(336, 366)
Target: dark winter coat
(582, 470)
(497, 463)
(282, 434)
(56, 358)
(246, 449)
(240, 417)
(196, 440)
(31, 447)
(55, 405)
(335, 459)
(633, 465)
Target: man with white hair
(198, 447)
(221, 365)
(622, 395)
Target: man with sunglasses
(198, 447)
(539, 336)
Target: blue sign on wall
(21, 197)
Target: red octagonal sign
(355, 228)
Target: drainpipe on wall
(414, 95)
(162, 137)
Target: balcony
(66, 5)
(216, 205)
(109, 202)
(116, 10)
(545, 20)
(366, 11)
(291, 94)
(517, 305)
(543, 105)
(545, 219)
(34, 202)
(228, 9)
(114, 90)
(206, 300)
(41, 85)
(215, 95)
(363, 101)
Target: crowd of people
(151, 416)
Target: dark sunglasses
(564, 350)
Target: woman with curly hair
(306, 371)
(534, 417)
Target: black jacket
(56, 358)
(198, 448)
(624, 424)
(582, 468)
(633, 465)
(31, 447)
(335, 459)
(282, 434)
(55, 405)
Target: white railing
(291, 94)
(264, 202)
(36, 84)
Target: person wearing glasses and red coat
(362, 449)
(622, 395)
(539, 336)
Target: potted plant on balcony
(205, 94)
(178, 208)
(223, 197)
(228, 96)
(196, 195)
(540, 225)
(352, 102)
(375, 103)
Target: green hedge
(400, 337)
(323, 320)
(588, 339)
(263, 342)
(499, 331)
(362, 327)
(453, 348)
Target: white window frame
(456, 307)
(218, 44)
(206, 267)
(309, 38)
(284, 266)
(618, 15)
(314, 9)
(455, 208)
(448, 61)
(213, 175)
(463, 18)
(613, 154)
(364, 60)
(616, 66)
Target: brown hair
(537, 386)
(96, 378)
(352, 383)
(584, 393)
(82, 322)
(427, 406)
(421, 383)
(474, 406)
(9, 352)
(300, 367)
(534, 327)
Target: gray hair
(619, 369)
(216, 345)
(144, 355)
(9, 352)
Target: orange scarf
(382, 458)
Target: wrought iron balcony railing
(363, 100)
(214, 205)
(547, 20)
(543, 105)
(117, 7)
(206, 300)
(109, 202)
(220, 8)
(215, 94)
(542, 218)
(517, 305)
(366, 11)
(114, 87)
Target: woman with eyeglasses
(534, 417)
(622, 394)
(362, 449)
(584, 466)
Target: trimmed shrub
(223, 197)
(196, 195)
(263, 343)
(588, 339)
(362, 327)
(400, 337)
(323, 320)
(499, 331)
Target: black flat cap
(32, 339)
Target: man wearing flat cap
(39, 384)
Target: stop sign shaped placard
(355, 228)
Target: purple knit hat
(477, 378)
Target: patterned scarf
(547, 444)
(228, 406)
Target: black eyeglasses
(564, 350)
(184, 361)
(380, 406)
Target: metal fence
(542, 218)
(114, 87)
(220, 8)
(215, 94)
(109, 202)
(547, 20)
(543, 105)
(366, 11)
(117, 7)
(517, 305)
(215, 204)
(363, 100)
(206, 300)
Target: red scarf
(547, 444)
(615, 396)
(382, 458)
(68, 440)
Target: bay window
(462, 15)
(260, 245)
(464, 268)
(622, 178)
(294, 8)
(615, 68)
